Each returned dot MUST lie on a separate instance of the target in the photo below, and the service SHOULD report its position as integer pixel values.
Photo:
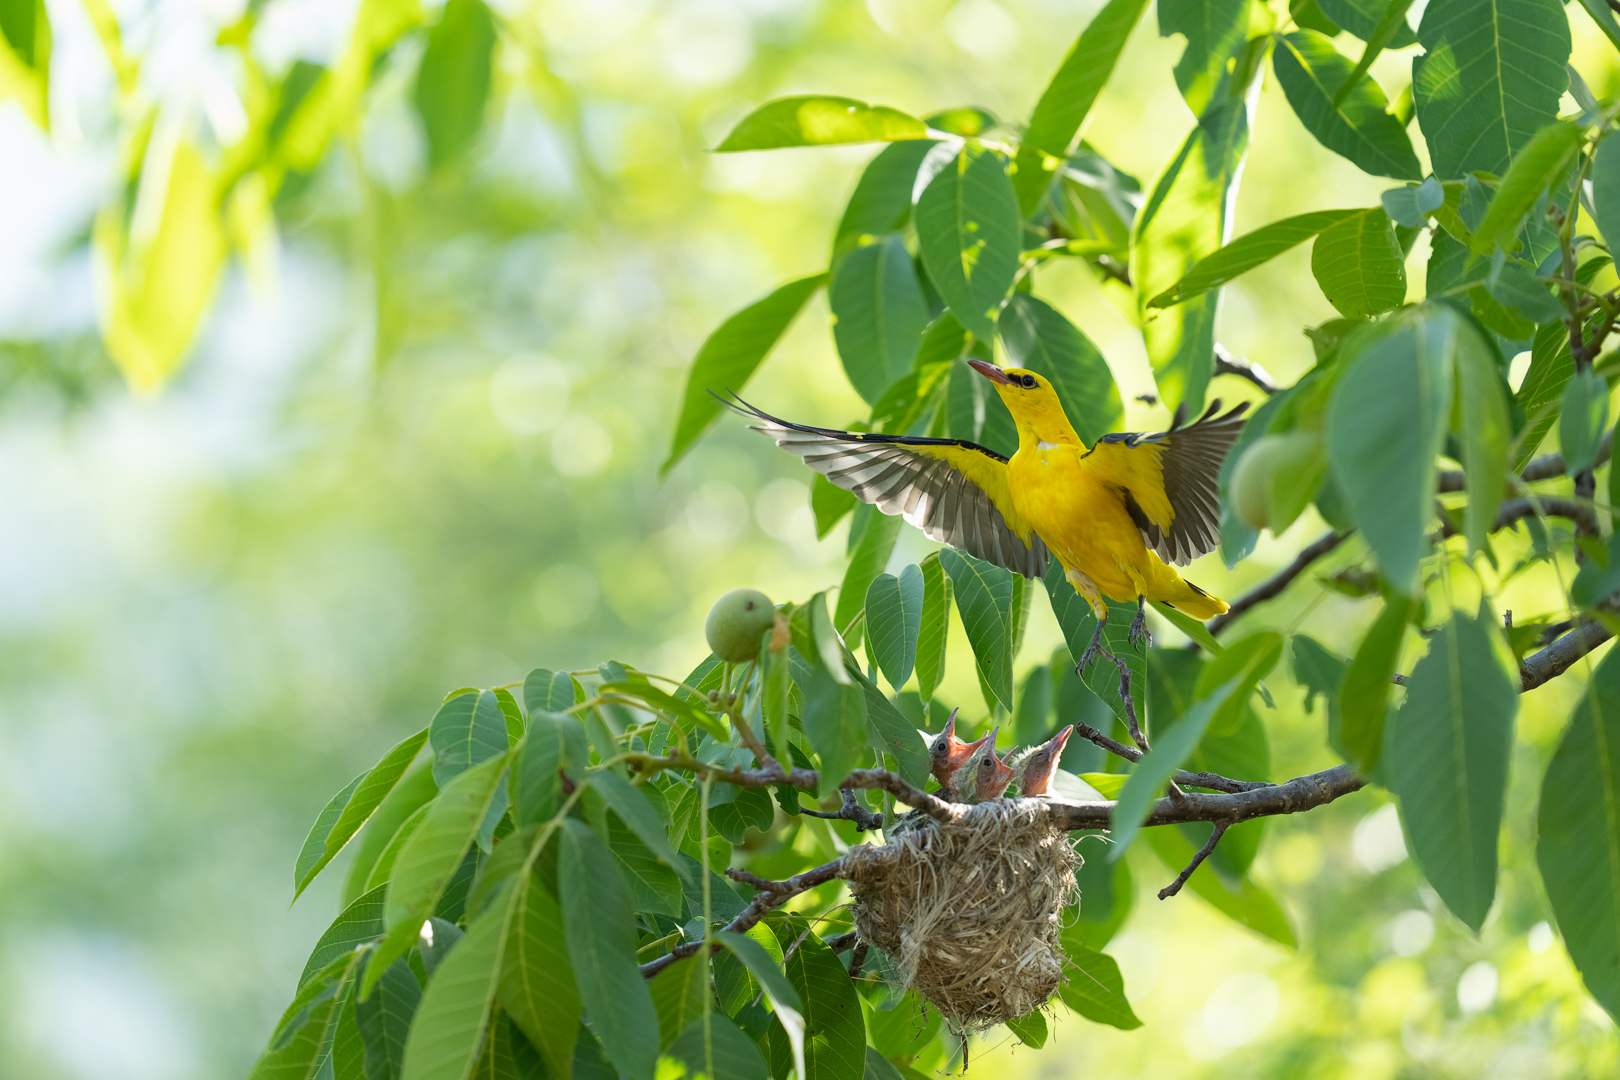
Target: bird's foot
(1138, 634)
(1095, 649)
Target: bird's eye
(1028, 382)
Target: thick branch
(1557, 658)
(1301, 793)
(1543, 506)
(772, 893)
(1279, 581)
(1228, 364)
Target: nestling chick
(982, 776)
(1037, 767)
(947, 753)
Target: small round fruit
(1250, 491)
(736, 623)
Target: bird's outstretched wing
(1168, 479)
(956, 492)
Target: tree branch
(1540, 668)
(1182, 777)
(1299, 794)
(772, 893)
(1203, 853)
(864, 819)
(1274, 585)
(1544, 467)
(1228, 364)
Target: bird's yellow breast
(1080, 515)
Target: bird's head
(983, 777)
(1042, 763)
(946, 752)
(1031, 400)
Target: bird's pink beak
(991, 372)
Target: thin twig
(1203, 853)
(864, 819)
(1279, 581)
(1190, 779)
(843, 941)
(777, 893)
(1544, 467)
(857, 960)
(1228, 364)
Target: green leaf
(1190, 626)
(1365, 690)
(1447, 759)
(881, 202)
(731, 355)
(1363, 17)
(1543, 387)
(1246, 903)
(430, 858)
(1538, 165)
(448, 1030)
(875, 533)
(763, 967)
(935, 626)
(1583, 419)
(359, 923)
(1106, 896)
(1159, 764)
(408, 795)
(1248, 661)
(383, 870)
(968, 230)
(1095, 988)
(452, 83)
(545, 690)
(1595, 582)
(299, 1046)
(1031, 1030)
(894, 609)
(973, 409)
(384, 1021)
(602, 945)
(1247, 252)
(554, 746)
(834, 719)
(829, 503)
(1359, 265)
(1605, 175)
(716, 1048)
(1387, 421)
(878, 314)
(1578, 835)
(1489, 79)
(747, 807)
(677, 995)
(1040, 338)
(1517, 289)
(1187, 217)
(654, 886)
(1077, 622)
(1390, 28)
(1069, 96)
(350, 809)
(826, 650)
(1411, 205)
(834, 1029)
(468, 729)
(638, 812)
(819, 120)
(537, 978)
(1487, 431)
(1215, 30)
(1359, 128)
(890, 733)
(1032, 719)
(984, 596)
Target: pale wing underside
(900, 476)
(1191, 459)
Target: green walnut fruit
(736, 623)
(1250, 490)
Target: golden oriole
(1116, 515)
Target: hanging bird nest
(968, 911)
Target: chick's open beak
(990, 371)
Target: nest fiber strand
(969, 911)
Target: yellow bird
(1117, 515)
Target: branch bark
(1228, 364)
(1274, 585)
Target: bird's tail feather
(1194, 601)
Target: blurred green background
(414, 447)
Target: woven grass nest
(968, 911)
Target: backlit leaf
(931, 638)
(875, 533)
(1214, 30)
(881, 202)
(984, 596)
(1247, 252)
(878, 314)
(452, 83)
(353, 807)
(894, 622)
(1365, 690)
(968, 231)
(819, 120)
(1359, 264)
(1359, 128)
(731, 355)
(1583, 419)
